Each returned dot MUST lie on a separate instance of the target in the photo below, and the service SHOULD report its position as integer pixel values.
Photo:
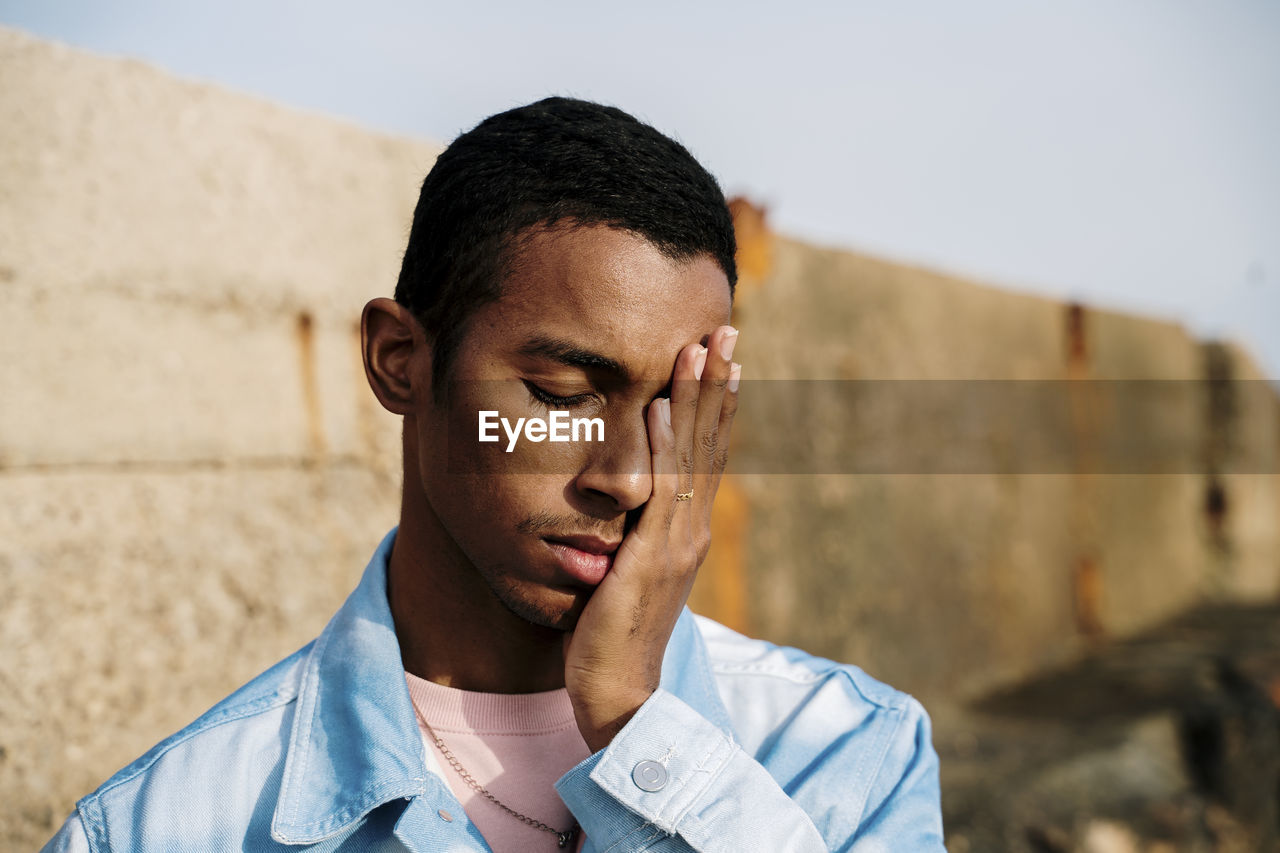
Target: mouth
(587, 559)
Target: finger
(655, 520)
(711, 393)
(685, 389)
(728, 408)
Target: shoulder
(750, 667)
(814, 722)
(149, 802)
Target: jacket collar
(355, 742)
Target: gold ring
(684, 496)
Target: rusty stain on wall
(755, 242)
(306, 341)
(721, 590)
(1087, 584)
(1087, 578)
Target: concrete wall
(193, 472)
(951, 584)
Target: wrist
(599, 722)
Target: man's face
(593, 317)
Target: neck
(452, 629)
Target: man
(516, 668)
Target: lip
(587, 544)
(587, 559)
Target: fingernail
(727, 342)
(735, 374)
(699, 362)
(664, 410)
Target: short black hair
(557, 161)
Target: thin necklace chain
(565, 838)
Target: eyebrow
(572, 355)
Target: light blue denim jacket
(757, 748)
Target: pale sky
(1123, 152)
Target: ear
(397, 355)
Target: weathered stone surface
(133, 600)
(999, 574)
(117, 175)
(192, 469)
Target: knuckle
(722, 458)
(708, 442)
(690, 558)
(686, 461)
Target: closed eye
(555, 401)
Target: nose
(618, 475)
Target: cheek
(511, 448)
(455, 441)
(484, 513)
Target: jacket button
(649, 776)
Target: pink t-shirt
(516, 745)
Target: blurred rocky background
(193, 474)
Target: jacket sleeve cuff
(682, 753)
(671, 771)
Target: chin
(554, 609)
